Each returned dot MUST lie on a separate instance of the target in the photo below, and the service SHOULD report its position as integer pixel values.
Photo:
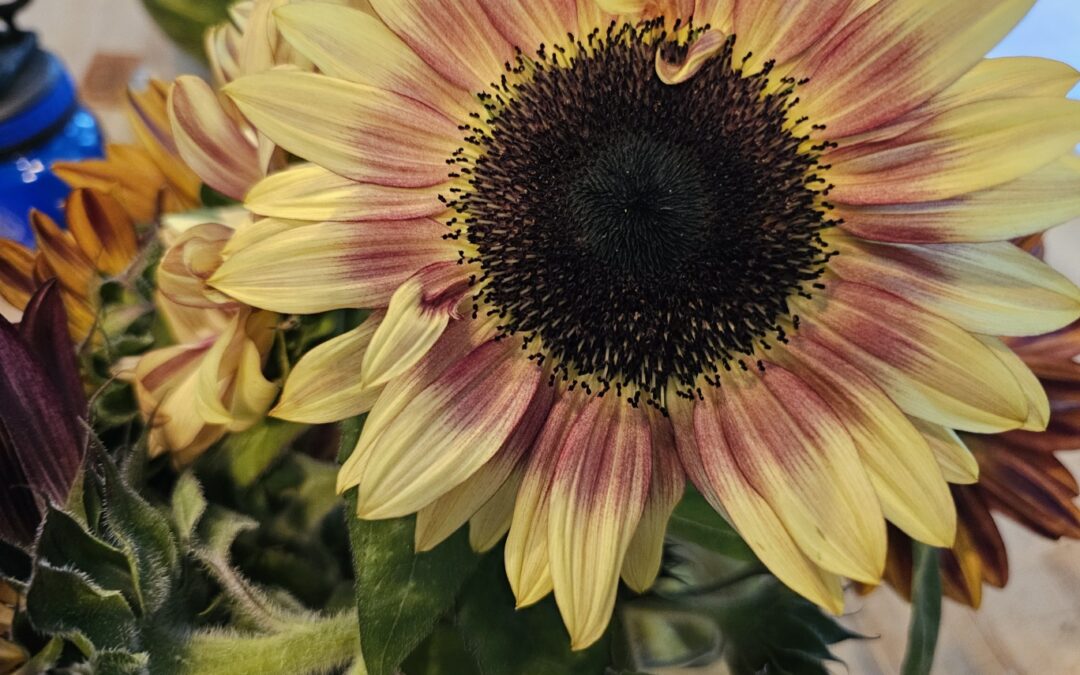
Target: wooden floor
(1030, 628)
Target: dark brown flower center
(635, 232)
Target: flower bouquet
(568, 336)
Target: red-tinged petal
(450, 430)
(646, 549)
(984, 538)
(781, 29)
(310, 192)
(956, 152)
(441, 518)
(367, 134)
(418, 313)
(527, 557)
(898, 460)
(797, 454)
(1030, 204)
(993, 288)
(896, 55)
(355, 46)
(929, 366)
(332, 265)
(210, 140)
(1021, 485)
(597, 497)
(530, 24)
(166, 381)
(707, 459)
(434, 30)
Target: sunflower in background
(98, 243)
(618, 244)
(149, 177)
(1017, 474)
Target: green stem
(317, 646)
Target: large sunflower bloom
(622, 243)
(1018, 475)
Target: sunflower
(98, 243)
(147, 177)
(1018, 475)
(619, 244)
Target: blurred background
(1033, 626)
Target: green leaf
(249, 454)
(443, 653)
(529, 641)
(925, 611)
(145, 535)
(64, 543)
(45, 659)
(399, 594)
(696, 521)
(66, 603)
(188, 505)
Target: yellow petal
(958, 464)
(646, 549)
(128, 174)
(597, 498)
(897, 55)
(324, 386)
(1038, 403)
(913, 493)
(16, 273)
(326, 266)
(929, 366)
(727, 490)
(993, 288)
(367, 134)
(526, 555)
(418, 314)
(310, 192)
(451, 429)
(355, 46)
(460, 339)
(58, 249)
(492, 521)
(797, 454)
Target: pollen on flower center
(632, 232)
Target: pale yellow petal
(958, 464)
(324, 386)
(993, 288)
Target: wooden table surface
(1030, 628)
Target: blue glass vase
(41, 122)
